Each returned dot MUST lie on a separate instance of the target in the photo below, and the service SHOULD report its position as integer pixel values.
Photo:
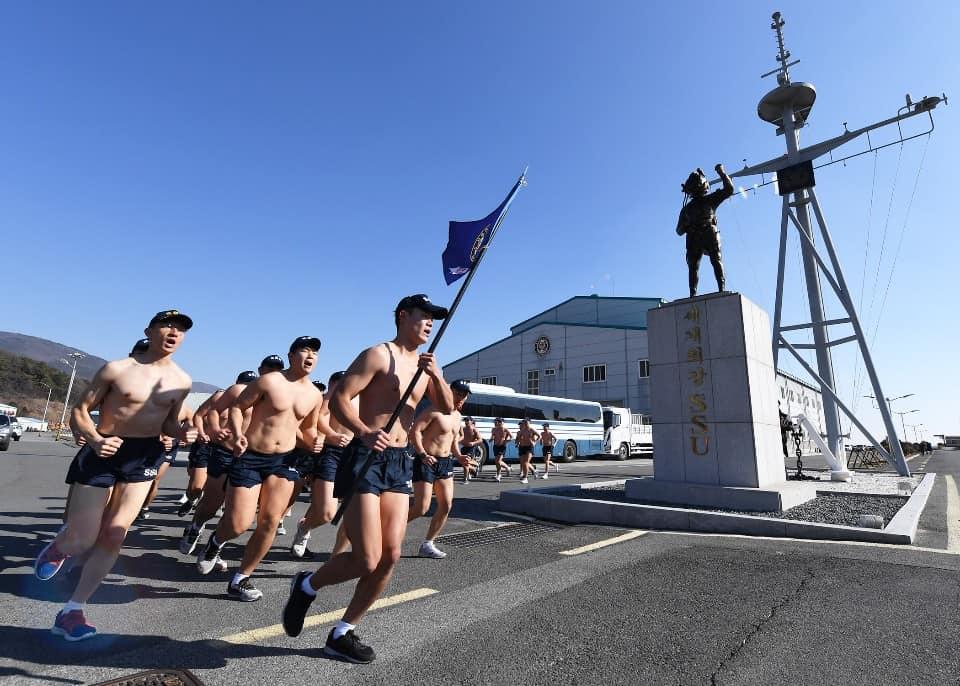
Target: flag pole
(345, 501)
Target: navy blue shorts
(170, 457)
(326, 465)
(499, 450)
(391, 471)
(303, 462)
(547, 451)
(525, 450)
(441, 469)
(199, 455)
(251, 468)
(137, 460)
(219, 461)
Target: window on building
(595, 373)
(489, 380)
(643, 369)
(533, 382)
(550, 372)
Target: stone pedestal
(716, 431)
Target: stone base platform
(774, 497)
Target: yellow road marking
(953, 515)
(254, 635)
(604, 543)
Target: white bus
(577, 424)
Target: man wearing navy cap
(139, 398)
(261, 478)
(376, 517)
(436, 438)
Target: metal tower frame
(787, 107)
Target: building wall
(571, 348)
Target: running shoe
(349, 648)
(244, 591)
(497, 477)
(188, 542)
(524, 480)
(183, 498)
(49, 562)
(428, 549)
(73, 626)
(299, 547)
(281, 529)
(545, 476)
(295, 610)
(145, 513)
(187, 506)
(207, 557)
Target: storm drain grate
(494, 534)
(156, 677)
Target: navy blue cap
(461, 386)
(421, 302)
(140, 346)
(171, 316)
(272, 362)
(247, 377)
(311, 342)
(335, 377)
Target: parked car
(5, 432)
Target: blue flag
(468, 240)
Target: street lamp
(903, 423)
(45, 407)
(890, 408)
(76, 357)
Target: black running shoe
(297, 605)
(244, 591)
(185, 509)
(349, 648)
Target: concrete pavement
(656, 608)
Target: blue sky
(283, 169)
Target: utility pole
(47, 406)
(75, 357)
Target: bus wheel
(569, 452)
(624, 452)
(483, 454)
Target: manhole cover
(156, 677)
(494, 534)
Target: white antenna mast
(787, 107)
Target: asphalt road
(655, 608)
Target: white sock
(340, 628)
(237, 578)
(71, 606)
(307, 588)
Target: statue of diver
(698, 220)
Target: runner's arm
(358, 377)
(247, 398)
(81, 423)
(307, 433)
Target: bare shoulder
(112, 370)
(176, 374)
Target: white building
(593, 348)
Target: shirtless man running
(526, 437)
(548, 440)
(218, 462)
(376, 518)
(139, 399)
(323, 506)
(500, 435)
(284, 405)
(470, 439)
(436, 437)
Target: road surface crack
(758, 627)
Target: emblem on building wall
(542, 345)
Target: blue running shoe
(73, 626)
(49, 562)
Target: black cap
(421, 302)
(498, 419)
(272, 362)
(546, 425)
(247, 377)
(311, 342)
(461, 386)
(335, 377)
(140, 346)
(172, 316)
(320, 386)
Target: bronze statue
(698, 220)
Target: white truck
(626, 433)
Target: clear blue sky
(286, 169)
